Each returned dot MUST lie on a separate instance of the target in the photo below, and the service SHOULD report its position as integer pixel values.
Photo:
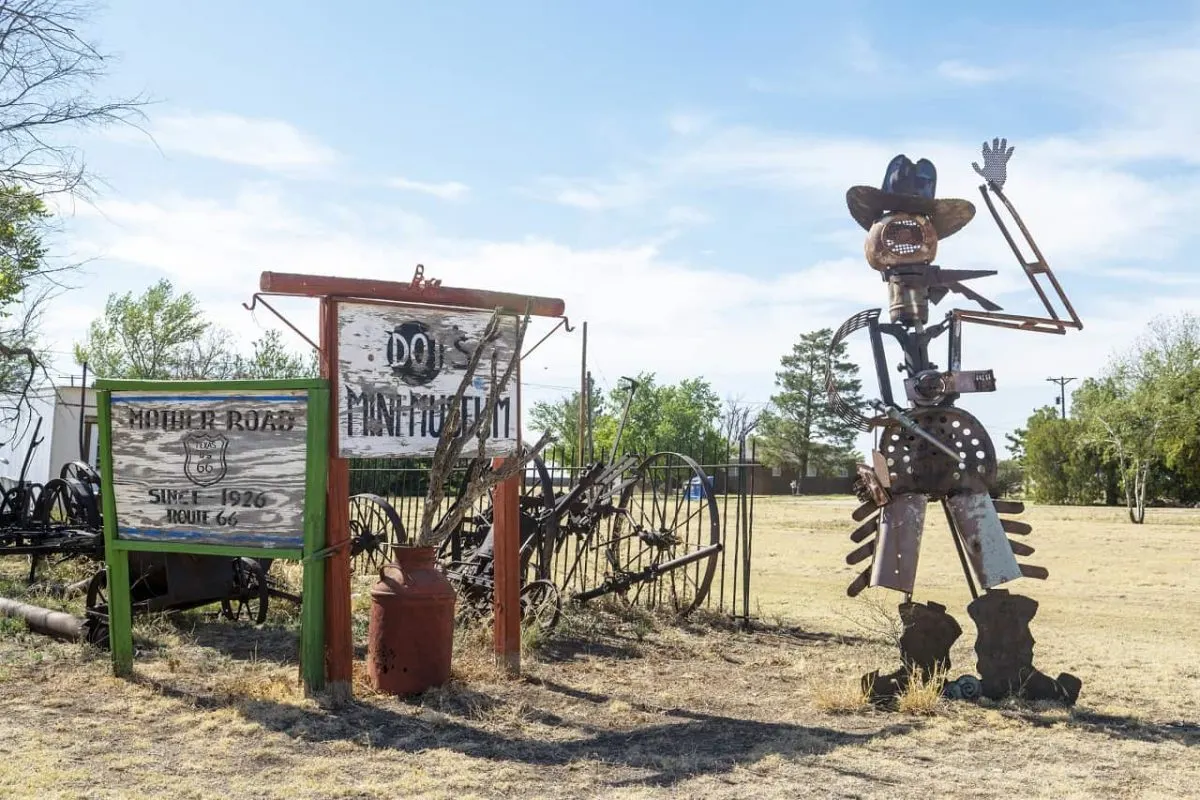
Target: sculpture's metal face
(900, 239)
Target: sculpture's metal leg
(1004, 651)
(987, 548)
(898, 545)
(929, 633)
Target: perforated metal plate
(915, 465)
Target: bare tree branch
(481, 478)
(47, 74)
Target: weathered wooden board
(398, 366)
(210, 467)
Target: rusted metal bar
(289, 283)
(257, 298)
(1031, 269)
(44, 620)
(1011, 321)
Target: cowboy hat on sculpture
(909, 188)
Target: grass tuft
(923, 696)
(839, 696)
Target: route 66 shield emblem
(204, 458)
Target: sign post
(389, 350)
(222, 468)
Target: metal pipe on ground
(46, 621)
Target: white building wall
(65, 442)
(12, 450)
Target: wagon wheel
(20, 503)
(538, 528)
(537, 503)
(96, 608)
(375, 528)
(82, 472)
(82, 475)
(540, 605)
(59, 504)
(252, 592)
(659, 521)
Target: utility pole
(1062, 393)
(588, 419)
(584, 397)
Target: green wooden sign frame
(117, 549)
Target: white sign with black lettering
(399, 367)
(210, 467)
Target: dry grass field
(625, 705)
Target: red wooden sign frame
(330, 290)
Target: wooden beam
(339, 641)
(289, 283)
(506, 539)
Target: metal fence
(404, 482)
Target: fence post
(744, 525)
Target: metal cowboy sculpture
(928, 449)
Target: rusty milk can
(410, 638)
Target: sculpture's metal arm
(1053, 322)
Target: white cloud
(687, 215)
(267, 144)
(962, 72)
(450, 190)
(678, 320)
(625, 191)
(686, 124)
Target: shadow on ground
(683, 745)
(1115, 725)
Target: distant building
(762, 479)
(58, 409)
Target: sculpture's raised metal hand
(995, 162)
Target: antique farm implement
(242, 586)
(645, 530)
(56, 520)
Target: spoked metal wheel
(85, 483)
(375, 528)
(251, 593)
(666, 535)
(96, 609)
(59, 504)
(539, 528)
(541, 605)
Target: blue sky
(675, 171)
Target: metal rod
(562, 323)
(583, 395)
(891, 412)
(82, 411)
(962, 555)
(257, 298)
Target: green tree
(682, 417)
(271, 359)
(23, 221)
(156, 335)
(1061, 465)
(24, 288)
(800, 428)
(560, 418)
